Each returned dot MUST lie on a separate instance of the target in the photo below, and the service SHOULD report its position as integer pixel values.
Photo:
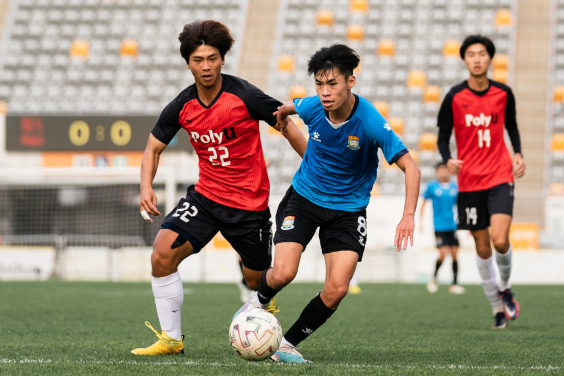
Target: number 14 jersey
(225, 135)
(478, 119)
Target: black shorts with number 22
(297, 219)
(476, 208)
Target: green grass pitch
(65, 328)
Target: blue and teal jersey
(444, 197)
(339, 167)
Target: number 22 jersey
(225, 135)
(478, 119)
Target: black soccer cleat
(510, 305)
(500, 321)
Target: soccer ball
(255, 334)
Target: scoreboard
(84, 133)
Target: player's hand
(518, 165)
(149, 202)
(454, 165)
(281, 119)
(404, 232)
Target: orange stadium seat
(219, 242)
(298, 91)
(432, 93)
(355, 32)
(383, 108)
(325, 18)
(359, 5)
(500, 75)
(79, 49)
(3, 107)
(129, 48)
(556, 189)
(415, 155)
(376, 190)
(286, 63)
(386, 47)
(558, 94)
(428, 141)
(558, 142)
(358, 70)
(416, 78)
(451, 48)
(503, 18)
(397, 125)
(500, 61)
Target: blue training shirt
(444, 197)
(339, 167)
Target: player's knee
(253, 284)
(161, 260)
(501, 243)
(484, 252)
(282, 278)
(335, 293)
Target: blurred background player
(331, 190)
(478, 109)
(244, 291)
(221, 114)
(354, 288)
(443, 193)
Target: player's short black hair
(200, 33)
(474, 39)
(439, 165)
(338, 56)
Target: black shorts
(297, 219)
(476, 208)
(198, 219)
(446, 238)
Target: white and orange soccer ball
(255, 334)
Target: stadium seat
(3, 107)
(129, 48)
(415, 155)
(432, 93)
(558, 94)
(452, 48)
(376, 190)
(355, 32)
(558, 142)
(500, 61)
(416, 78)
(397, 125)
(503, 18)
(219, 242)
(386, 47)
(358, 69)
(500, 75)
(298, 91)
(383, 108)
(359, 5)
(286, 63)
(428, 142)
(79, 49)
(325, 17)
(556, 189)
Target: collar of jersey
(337, 126)
(216, 97)
(479, 93)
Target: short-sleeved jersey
(443, 196)
(478, 119)
(226, 137)
(339, 167)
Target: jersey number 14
(484, 137)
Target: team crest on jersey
(288, 223)
(353, 143)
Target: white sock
(354, 279)
(169, 295)
(487, 272)
(255, 302)
(504, 264)
(285, 343)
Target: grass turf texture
(90, 328)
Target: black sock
(265, 292)
(313, 316)
(244, 281)
(455, 271)
(437, 266)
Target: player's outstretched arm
(406, 227)
(149, 165)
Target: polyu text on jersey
(481, 120)
(229, 134)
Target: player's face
(477, 59)
(333, 88)
(442, 174)
(205, 64)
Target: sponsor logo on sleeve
(288, 223)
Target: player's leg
(453, 248)
(184, 232)
(244, 290)
(501, 208)
(432, 285)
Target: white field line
(219, 364)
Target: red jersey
(226, 137)
(478, 119)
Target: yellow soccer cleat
(164, 346)
(272, 307)
(354, 289)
